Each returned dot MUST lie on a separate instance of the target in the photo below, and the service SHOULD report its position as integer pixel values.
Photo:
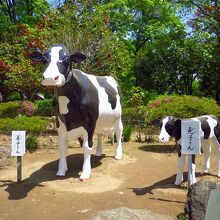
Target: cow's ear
(77, 57)
(156, 122)
(36, 56)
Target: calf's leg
(192, 178)
(118, 131)
(218, 159)
(206, 154)
(181, 162)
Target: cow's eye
(65, 61)
(45, 60)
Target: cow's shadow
(162, 184)
(159, 148)
(47, 173)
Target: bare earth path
(142, 180)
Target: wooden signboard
(18, 143)
(18, 150)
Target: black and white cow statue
(84, 104)
(210, 135)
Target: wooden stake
(19, 166)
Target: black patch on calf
(110, 91)
(193, 159)
(205, 127)
(177, 129)
(169, 126)
(179, 149)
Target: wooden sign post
(190, 142)
(18, 150)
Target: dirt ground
(143, 179)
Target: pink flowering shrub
(27, 108)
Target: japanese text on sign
(190, 137)
(18, 143)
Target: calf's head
(57, 63)
(170, 127)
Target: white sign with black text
(190, 137)
(18, 143)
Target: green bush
(133, 116)
(9, 109)
(127, 132)
(33, 125)
(180, 106)
(14, 96)
(44, 108)
(32, 142)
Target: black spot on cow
(83, 105)
(110, 91)
(205, 126)
(64, 64)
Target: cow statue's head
(57, 63)
(170, 127)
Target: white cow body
(84, 105)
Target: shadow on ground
(162, 184)
(47, 173)
(159, 148)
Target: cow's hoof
(84, 177)
(61, 174)
(118, 157)
(60, 177)
(206, 173)
(98, 154)
(84, 180)
(177, 183)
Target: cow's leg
(206, 154)
(62, 143)
(193, 180)
(87, 151)
(181, 162)
(218, 158)
(99, 146)
(218, 161)
(118, 132)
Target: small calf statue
(210, 135)
(83, 104)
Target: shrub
(9, 109)
(133, 116)
(44, 108)
(32, 142)
(14, 96)
(127, 131)
(33, 125)
(180, 106)
(26, 108)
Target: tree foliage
(205, 19)
(146, 44)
